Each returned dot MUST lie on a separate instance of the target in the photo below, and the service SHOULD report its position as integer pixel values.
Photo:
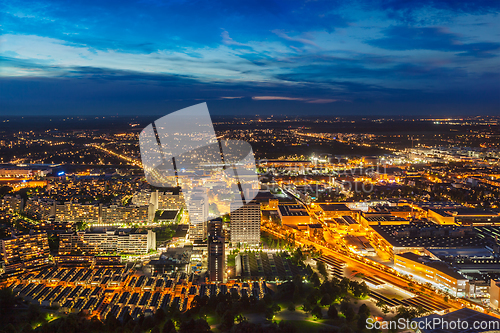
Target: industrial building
(434, 271)
(293, 214)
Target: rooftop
(437, 264)
(334, 207)
(427, 235)
(287, 211)
(168, 215)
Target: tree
(315, 279)
(81, 226)
(195, 326)
(345, 329)
(7, 301)
(364, 310)
(361, 324)
(344, 305)
(227, 321)
(168, 327)
(322, 268)
(349, 314)
(364, 290)
(316, 312)
(380, 303)
(269, 313)
(326, 300)
(332, 312)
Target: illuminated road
(131, 161)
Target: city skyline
(385, 58)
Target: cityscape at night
(346, 177)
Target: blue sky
(250, 57)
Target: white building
(198, 213)
(245, 224)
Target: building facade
(24, 252)
(122, 241)
(495, 294)
(198, 214)
(216, 251)
(434, 271)
(245, 224)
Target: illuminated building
(11, 204)
(315, 230)
(24, 252)
(435, 271)
(466, 216)
(40, 208)
(330, 211)
(216, 250)
(198, 213)
(159, 200)
(76, 212)
(115, 214)
(495, 294)
(170, 201)
(344, 224)
(417, 236)
(168, 216)
(293, 214)
(121, 241)
(245, 224)
(370, 219)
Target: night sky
(405, 57)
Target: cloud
(293, 52)
(229, 41)
(301, 40)
(432, 38)
(425, 11)
(277, 98)
(322, 101)
(302, 99)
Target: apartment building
(245, 224)
(131, 241)
(25, 251)
(11, 204)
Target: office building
(216, 250)
(198, 213)
(245, 224)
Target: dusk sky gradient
(250, 57)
